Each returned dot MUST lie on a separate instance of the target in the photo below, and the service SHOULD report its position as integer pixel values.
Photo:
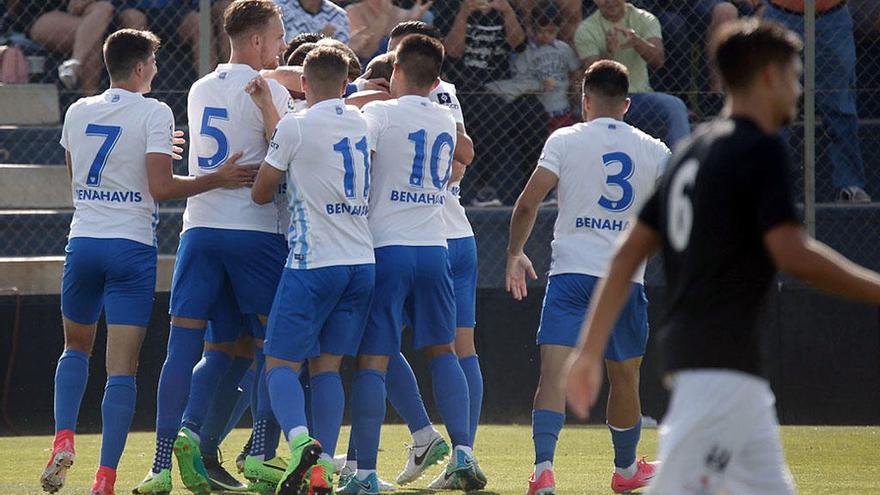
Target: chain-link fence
(515, 74)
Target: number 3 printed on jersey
(620, 180)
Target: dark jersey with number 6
(722, 192)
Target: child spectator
(545, 67)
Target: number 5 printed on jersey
(208, 130)
(111, 136)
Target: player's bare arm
(801, 256)
(586, 363)
(361, 98)
(266, 184)
(260, 93)
(290, 76)
(464, 146)
(521, 223)
(165, 185)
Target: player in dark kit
(725, 220)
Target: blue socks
(328, 400)
(451, 395)
(225, 399)
(403, 393)
(117, 409)
(266, 428)
(471, 367)
(246, 388)
(184, 351)
(206, 377)
(625, 443)
(546, 426)
(287, 398)
(71, 375)
(367, 414)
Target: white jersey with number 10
(607, 170)
(414, 141)
(223, 119)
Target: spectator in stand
(481, 38)
(75, 28)
(571, 14)
(546, 67)
(314, 16)
(179, 18)
(835, 83)
(372, 20)
(619, 31)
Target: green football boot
(189, 461)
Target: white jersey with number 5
(414, 140)
(607, 170)
(222, 121)
(457, 223)
(108, 137)
(326, 155)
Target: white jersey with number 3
(223, 119)
(108, 137)
(326, 155)
(413, 139)
(607, 170)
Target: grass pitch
(838, 460)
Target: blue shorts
(463, 261)
(228, 323)
(323, 310)
(414, 281)
(116, 274)
(251, 262)
(565, 306)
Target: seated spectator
(835, 84)
(179, 18)
(481, 38)
(314, 16)
(547, 67)
(629, 35)
(571, 14)
(74, 28)
(372, 20)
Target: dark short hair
(421, 58)
(244, 16)
(546, 14)
(298, 40)
(607, 79)
(299, 55)
(326, 65)
(407, 28)
(354, 63)
(381, 66)
(125, 48)
(742, 49)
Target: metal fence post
(205, 35)
(810, 115)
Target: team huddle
(313, 235)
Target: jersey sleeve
(284, 143)
(553, 154)
(661, 156)
(280, 97)
(650, 214)
(160, 127)
(772, 183)
(377, 122)
(455, 105)
(65, 128)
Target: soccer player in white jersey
(324, 296)
(118, 149)
(605, 170)
(226, 238)
(414, 142)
